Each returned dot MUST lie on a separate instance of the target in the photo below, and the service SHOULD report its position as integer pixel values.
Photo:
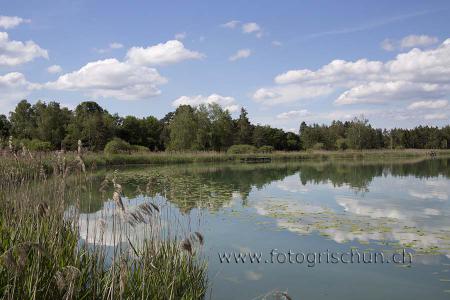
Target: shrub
(38, 145)
(241, 149)
(139, 148)
(342, 144)
(318, 146)
(266, 149)
(117, 146)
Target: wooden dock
(255, 159)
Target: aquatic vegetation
(49, 250)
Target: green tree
(91, 124)
(183, 129)
(222, 127)
(244, 128)
(23, 121)
(51, 123)
(5, 127)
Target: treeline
(48, 126)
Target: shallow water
(308, 207)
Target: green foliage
(266, 149)
(318, 146)
(242, 149)
(342, 144)
(117, 146)
(203, 128)
(139, 148)
(38, 145)
(5, 127)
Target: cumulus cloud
(13, 87)
(242, 53)
(13, 53)
(416, 75)
(54, 69)
(428, 104)
(226, 102)
(112, 78)
(172, 51)
(409, 41)
(293, 114)
(252, 27)
(8, 22)
(231, 24)
(247, 28)
(111, 46)
(130, 79)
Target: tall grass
(45, 252)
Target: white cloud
(417, 75)
(54, 69)
(13, 87)
(172, 51)
(224, 101)
(410, 41)
(252, 27)
(293, 114)
(388, 45)
(112, 78)
(180, 36)
(428, 104)
(7, 22)
(277, 43)
(13, 53)
(437, 116)
(231, 24)
(115, 45)
(242, 53)
(111, 46)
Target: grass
(101, 159)
(31, 164)
(43, 257)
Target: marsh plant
(48, 251)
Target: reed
(45, 252)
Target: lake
(305, 208)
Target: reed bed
(48, 251)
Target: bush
(117, 146)
(242, 149)
(139, 148)
(266, 149)
(342, 144)
(318, 146)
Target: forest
(49, 126)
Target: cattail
(80, 144)
(101, 225)
(118, 200)
(42, 209)
(10, 143)
(155, 207)
(65, 281)
(187, 246)
(286, 296)
(199, 237)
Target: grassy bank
(101, 159)
(31, 164)
(47, 253)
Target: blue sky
(285, 61)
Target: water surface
(309, 207)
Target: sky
(284, 61)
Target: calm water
(308, 207)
